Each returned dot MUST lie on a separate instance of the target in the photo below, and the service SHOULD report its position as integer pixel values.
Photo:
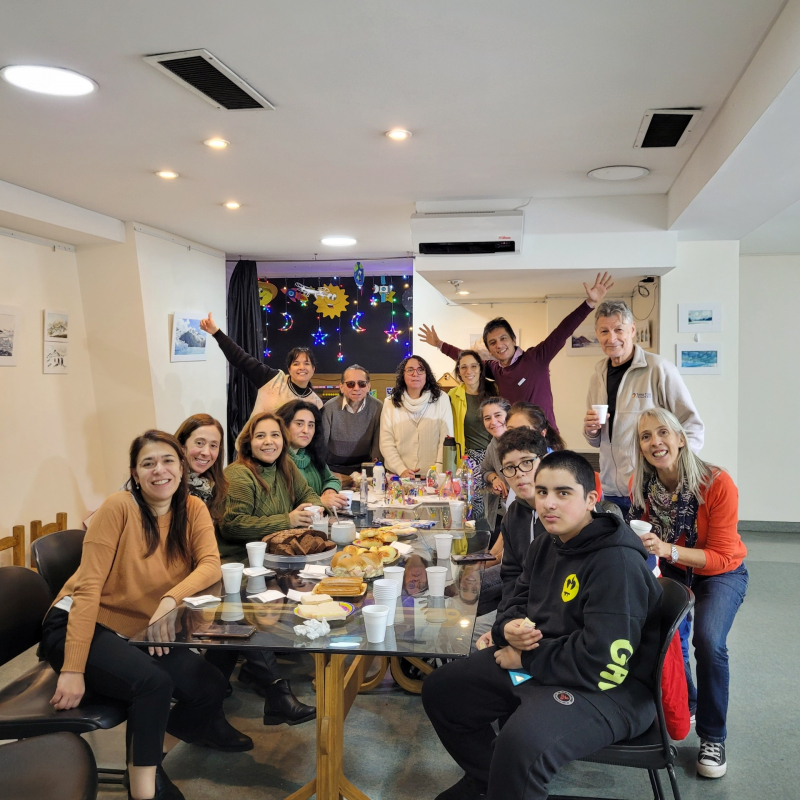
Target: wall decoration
(699, 359)
(583, 341)
(188, 340)
(56, 358)
(643, 335)
(355, 322)
(331, 301)
(288, 321)
(56, 326)
(699, 317)
(10, 326)
(295, 295)
(266, 292)
(392, 333)
(358, 275)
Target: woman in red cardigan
(693, 507)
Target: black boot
(282, 706)
(221, 735)
(165, 788)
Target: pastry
(341, 587)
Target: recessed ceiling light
(338, 241)
(619, 173)
(463, 291)
(167, 173)
(48, 80)
(216, 143)
(398, 134)
(232, 205)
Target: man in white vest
(629, 381)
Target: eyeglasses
(417, 371)
(352, 384)
(526, 465)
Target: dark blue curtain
(246, 328)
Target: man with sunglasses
(351, 424)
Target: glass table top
(423, 626)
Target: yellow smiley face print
(570, 590)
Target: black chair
(57, 766)
(652, 750)
(25, 709)
(57, 556)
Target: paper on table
(257, 572)
(402, 547)
(267, 597)
(295, 596)
(313, 569)
(202, 600)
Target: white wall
(709, 271)
(769, 435)
(51, 451)
(176, 278)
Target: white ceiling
(514, 98)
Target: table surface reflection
(423, 626)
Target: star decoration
(340, 356)
(267, 353)
(392, 333)
(319, 336)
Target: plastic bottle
(364, 491)
(395, 490)
(432, 479)
(379, 479)
(450, 488)
(467, 481)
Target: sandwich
(327, 610)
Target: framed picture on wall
(10, 325)
(699, 359)
(56, 358)
(56, 326)
(583, 341)
(188, 340)
(698, 317)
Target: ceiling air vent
(209, 78)
(666, 127)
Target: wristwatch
(674, 555)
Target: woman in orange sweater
(146, 549)
(693, 508)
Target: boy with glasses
(351, 424)
(576, 648)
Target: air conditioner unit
(466, 233)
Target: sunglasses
(352, 384)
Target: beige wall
(769, 436)
(51, 458)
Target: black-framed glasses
(352, 384)
(526, 465)
(412, 371)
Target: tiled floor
(391, 752)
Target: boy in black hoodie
(580, 679)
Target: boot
(165, 788)
(282, 706)
(221, 735)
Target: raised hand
(596, 293)
(209, 326)
(428, 335)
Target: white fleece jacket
(650, 382)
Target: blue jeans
(624, 503)
(716, 600)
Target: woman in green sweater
(303, 423)
(266, 493)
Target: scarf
(671, 514)
(201, 487)
(416, 408)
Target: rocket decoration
(358, 275)
(295, 296)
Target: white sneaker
(711, 759)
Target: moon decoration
(355, 322)
(288, 321)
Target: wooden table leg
(337, 686)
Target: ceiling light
(232, 205)
(167, 173)
(338, 241)
(49, 80)
(398, 134)
(619, 173)
(216, 143)
(463, 291)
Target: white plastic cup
(375, 622)
(639, 527)
(444, 544)
(321, 525)
(436, 580)
(348, 493)
(256, 552)
(256, 585)
(602, 412)
(457, 513)
(395, 574)
(232, 610)
(384, 592)
(232, 577)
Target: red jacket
(675, 692)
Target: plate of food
(374, 537)
(293, 548)
(340, 587)
(330, 611)
(364, 564)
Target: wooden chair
(16, 543)
(38, 530)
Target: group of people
(577, 602)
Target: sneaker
(691, 719)
(711, 759)
(466, 789)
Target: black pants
(147, 683)
(540, 735)
(263, 664)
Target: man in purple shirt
(525, 375)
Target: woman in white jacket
(415, 419)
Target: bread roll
(348, 566)
(388, 536)
(387, 553)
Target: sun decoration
(332, 308)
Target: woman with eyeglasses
(351, 424)
(304, 425)
(275, 387)
(470, 432)
(415, 420)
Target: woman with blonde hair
(693, 508)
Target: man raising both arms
(525, 375)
